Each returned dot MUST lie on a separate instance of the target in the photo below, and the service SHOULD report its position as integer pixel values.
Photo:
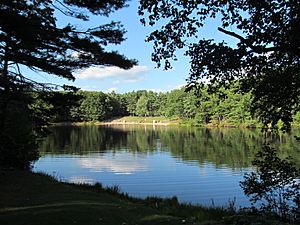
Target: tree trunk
(4, 85)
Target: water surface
(197, 165)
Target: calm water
(197, 165)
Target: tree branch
(257, 49)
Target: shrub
(18, 145)
(274, 187)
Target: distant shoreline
(113, 123)
(130, 120)
(150, 121)
(134, 123)
(160, 121)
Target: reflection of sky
(81, 180)
(155, 174)
(124, 163)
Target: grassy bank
(164, 121)
(137, 120)
(130, 120)
(35, 199)
(27, 198)
(143, 120)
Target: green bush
(18, 146)
(274, 187)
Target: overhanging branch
(249, 43)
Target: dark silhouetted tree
(31, 37)
(274, 187)
(266, 56)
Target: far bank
(162, 121)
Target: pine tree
(30, 37)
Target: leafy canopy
(273, 187)
(265, 58)
(31, 37)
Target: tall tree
(266, 57)
(190, 105)
(30, 37)
(131, 100)
(142, 106)
(174, 104)
(153, 105)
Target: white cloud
(134, 74)
(129, 80)
(157, 90)
(89, 88)
(125, 163)
(169, 88)
(110, 90)
(179, 86)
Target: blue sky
(142, 77)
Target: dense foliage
(233, 110)
(225, 108)
(274, 187)
(17, 140)
(264, 53)
(33, 38)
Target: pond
(198, 165)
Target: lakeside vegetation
(55, 37)
(29, 198)
(33, 199)
(227, 108)
(132, 120)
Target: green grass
(160, 120)
(150, 119)
(28, 199)
(35, 199)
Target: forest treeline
(225, 108)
